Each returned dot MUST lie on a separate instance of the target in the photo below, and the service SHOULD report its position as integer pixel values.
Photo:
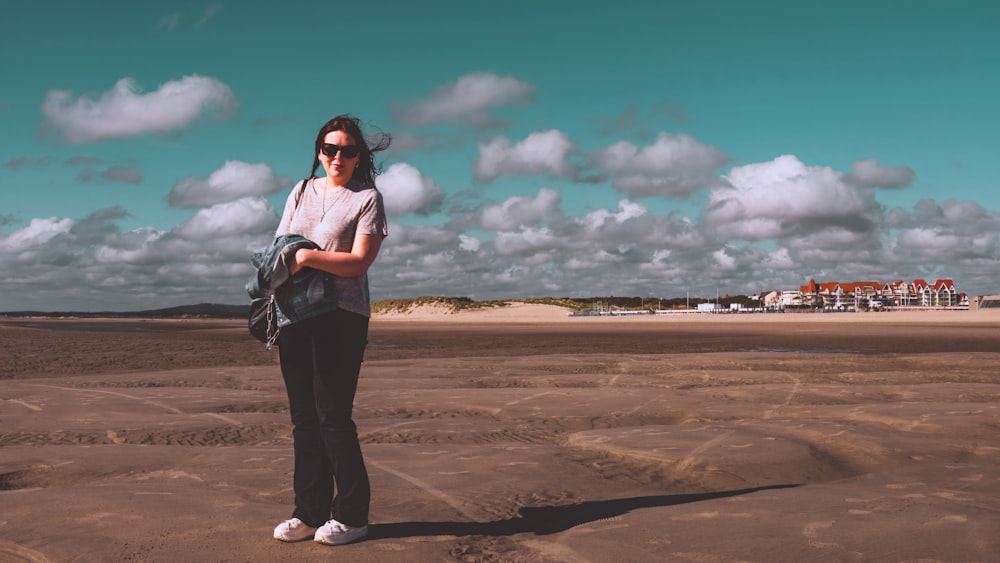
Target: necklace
(326, 188)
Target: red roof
(942, 284)
(917, 286)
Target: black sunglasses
(347, 151)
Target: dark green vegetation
(199, 311)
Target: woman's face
(338, 166)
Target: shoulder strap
(298, 197)
(302, 190)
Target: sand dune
(518, 435)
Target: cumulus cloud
(870, 173)
(953, 229)
(247, 215)
(467, 243)
(91, 264)
(520, 211)
(420, 259)
(598, 219)
(545, 152)
(469, 101)
(967, 217)
(536, 250)
(929, 244)
(233, 181)
(767, 225)
(533, 243)
(784, 197)
(125, 111)
(405, 190)
(36, 235)
(674, 165)
(539, 251)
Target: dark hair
(366, 170)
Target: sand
(518, 435)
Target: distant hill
(199, 311)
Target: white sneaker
(293, 530)
(335, 533)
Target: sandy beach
(518, 434)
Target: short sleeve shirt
(333, 223)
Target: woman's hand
(298, 260)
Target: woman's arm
(290, 205)
(344, 264)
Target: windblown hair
(366, 170)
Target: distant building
(791, 299)
(865, 294)
(771, 299)
(984, 302)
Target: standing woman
(343, 213)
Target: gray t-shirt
(355, 209)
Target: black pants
(320, 362)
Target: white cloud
(469, 244)
(528, 241)
(406, 243)
(520, 211)
(135, 247)
(469, 101)
(247, 215)
(964, 217)
(61, 264)
(405, 190)
(816, 223)
(597, 219)
(674, 165)
(784, 197)
(870, 173)
(926, 243)
(956, 230)
(545, 152)
(779, 259)
(422, 260)
(124, 111)
(234, 180)
(35, 236)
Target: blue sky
(540, 148)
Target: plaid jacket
(307, 294)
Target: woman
(321, 356)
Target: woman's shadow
(544, 520)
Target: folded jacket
(308, 293)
